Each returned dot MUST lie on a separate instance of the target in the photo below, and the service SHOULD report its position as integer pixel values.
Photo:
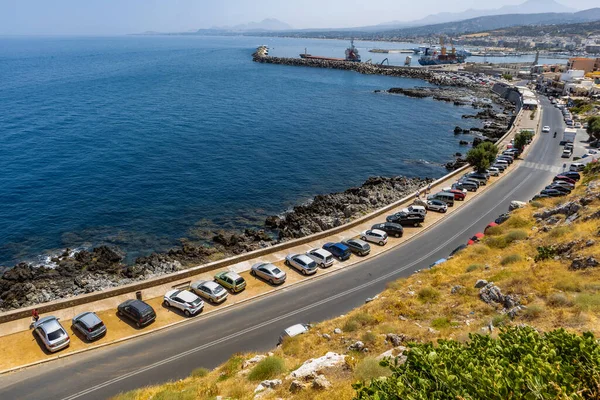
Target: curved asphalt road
(208, 341)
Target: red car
(476, 238)
(490, 225)
(458, 194)
(564, 178)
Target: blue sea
(139, 141)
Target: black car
(459, 248)
(502, 218)
(414, 219)
(540, 196)
(480, 179)
(470, 184)
(552, 192)
(562, 189)
(572, 174)
(138, 311)
(390, 228)
(358, 246)
(501, 167)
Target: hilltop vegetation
(584, 29)
(515, 316)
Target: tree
(482, 156)
(593, 128)
(522, 138)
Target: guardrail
(180, 275)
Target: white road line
(281, 317)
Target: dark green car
(231, 281)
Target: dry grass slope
(439, 303)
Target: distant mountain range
(268, 24)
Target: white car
(546, 129)
(292, 331)
(302, 263)
(322, 257)
(415, 209)
(210, 290)
(437, 205)
(183, 300)
(375, 236)
(51, 333)
(493, 171)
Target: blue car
(438, 262)
(339, 250)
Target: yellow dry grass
(423, 308)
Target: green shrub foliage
(520, 364)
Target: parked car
(490, 225)
(502, 218)
(566, 153)
(501, 167)
(552, 192)
(560, 188)
(438, 262)
(564, 184)
(231, 280)
(51, 333)
(292, 331)
(415, 209)
(339, 250)
(565, 178)
(437, 205)
(546, 129)
(358, 246)
(406, 219)
(374, 236)
(539, 196)
(493, 171)
(183, 300)
(480, 180)
(476, 238)
(89, 325)
(322, 257)
(480, 175)
(138, 311)
(458, 249)
(269, 272)
(506, 158)
(458, 194)
(447, 198)
(465, 185)
(210, 290)
(392, 229)
(500, 161)
(471, 181)
(302, 263)
(573, 175)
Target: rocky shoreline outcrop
(87, 271)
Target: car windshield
(218, 289)
(239, 281)
(311, 265)
(276, 271)
(98, 326)
(57, 334)
(196, 302)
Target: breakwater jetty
(435, 77)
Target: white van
(577, 167)
(566, 153)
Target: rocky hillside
(515, 316)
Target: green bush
(350, 326)
(199, 373)
(369, 338)
(520, 364)
(558, 300)
(559, 231)
(515, 235)
(474, 267)
(231, 367)
(502, 242)
(440, 323)
(494, 230)
(510, 259)
(428, 295)
(268, 368)
(588, 301)
(369, 368)
(545, 253)
(500, 320)
(532, 312)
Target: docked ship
(441, 57)
(351, 55)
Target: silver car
(302, 263)
(210, 290)
(183, 300)
(269, 273)
(51, 333)
(89, 325)
(322, 257)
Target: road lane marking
(290, 314)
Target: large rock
(566, 209)
(583, 263)
(254, 360)
(314, 367)
(491, 294)
(321, 383)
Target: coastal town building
(584, 64)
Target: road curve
(208, 341)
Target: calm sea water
(140, 141)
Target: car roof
(303, 257)
(89, 319)
(322, 252)
(210, 284)
(378, 232)
(232, 274)
(296, 330)
(48, 324)
(140, 305)
(187, 296)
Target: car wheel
(363, 238)
(166, 304)
(397, 235)
(416, 224)
(287, 263)
(381, 243)
(271, 281)
(210, 300)
(138, 324)
(443, 211)
(303, 272)
(252, 272)
(187, 313)
(119, 313)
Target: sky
(115, 17)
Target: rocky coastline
(104, 267)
